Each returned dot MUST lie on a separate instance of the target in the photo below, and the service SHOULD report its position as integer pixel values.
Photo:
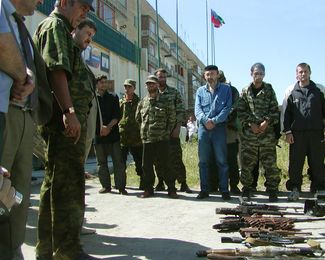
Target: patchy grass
(190, 159)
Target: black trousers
(136, 152)
(310, 144)
(157, 154)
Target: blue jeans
(213, 139)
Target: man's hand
(104, 131)
(175, 132)
(4, 172)
(72, 126)
(255, 128)
(289, 138)
(209, 124)
(263, 126)
(7, 193)
(20, 91)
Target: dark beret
(211, 67)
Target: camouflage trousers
(62, 197)
(266, 154)
(175, 165)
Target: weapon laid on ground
(273, 223)
(269, 239)
(253, 232)
(249, 209)
(263, 251)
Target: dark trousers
(136, 152)
(175, 165)
(157, 154)
(102, 152)
(310, 144)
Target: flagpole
(157, 33)
(207, 26)
(139, 46)
(177, 60)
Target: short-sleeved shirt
(59, 51)
(6, 81)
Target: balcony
(153, 60)
(150, 34)
(164, 46)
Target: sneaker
(123, 191)
(160, 187)
(246, 194)
(104, 190)
(273, 196)
(172, 194)
(294, 195)
(185, 188)
(225, 195)
(202, 195)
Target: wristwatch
(69, 110)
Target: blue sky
(278, 33)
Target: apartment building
(131, 43)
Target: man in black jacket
(304, 129)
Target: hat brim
(151, 81)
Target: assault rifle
(263, 251)
(254, 232)
(273, 223)
(248, 209)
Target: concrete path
(156, 228)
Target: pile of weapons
(266, 233)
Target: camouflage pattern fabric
(129, 128)
(174, 97)
(176, 165)
(156, 118)
(258, 146)
(62, 193)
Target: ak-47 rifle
(263, 251)
(248, 209)
(274, 223)
(253, 232)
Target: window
(151, 49)
(106, 13)
(152, 26)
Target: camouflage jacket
(59, 51)
(129, 128)
(252, 109)
(175, 98)
(156, 117)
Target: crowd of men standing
(47, 85)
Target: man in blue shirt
(212, 106)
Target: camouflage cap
(89, 3)
(130, 82)
(152, 79)
(221, 76)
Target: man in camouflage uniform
(156, 117)
(129, 128)
(258, 114)
(175, 165)
(62, 193)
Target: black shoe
(235, 190)
(160, 187)
(273, 196)
(203, 195)
(225, 195)
(172, 195)
(105, 190)
(146, 194)
(246, 194)
(123, 191)
(185, 188)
